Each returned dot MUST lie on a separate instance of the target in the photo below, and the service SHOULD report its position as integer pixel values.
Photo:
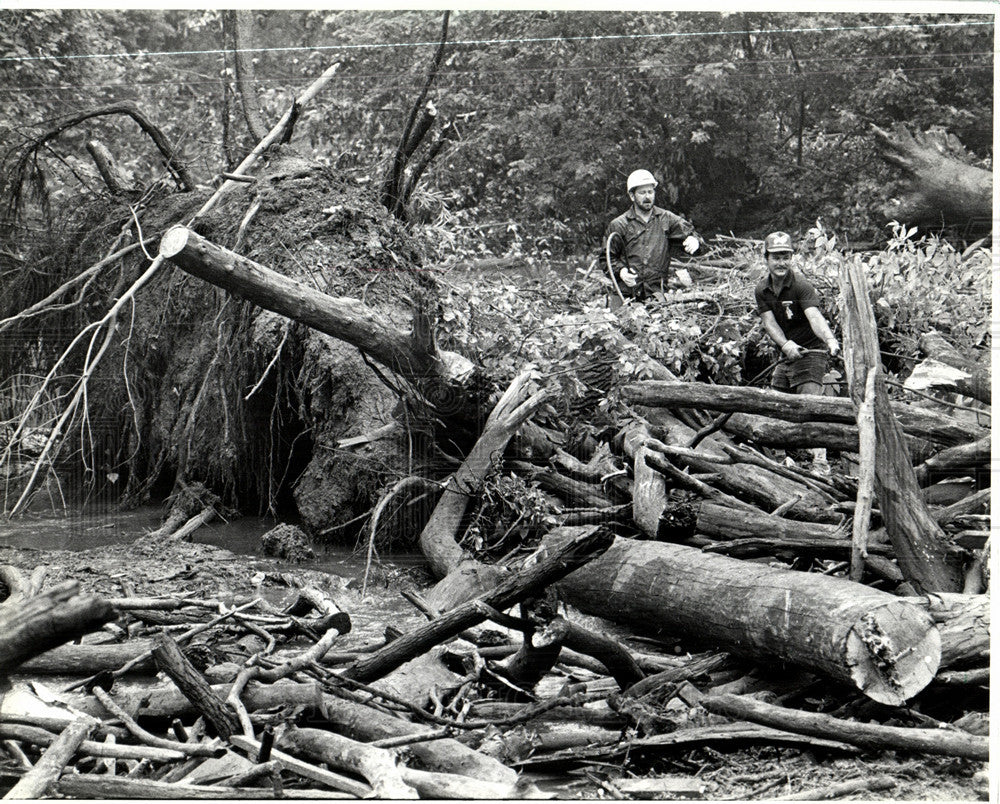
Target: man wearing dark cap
(789, 309)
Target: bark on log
(965, 459)
(866, 735)
(977, 384)
(29, 627)
(802, 408)
(917, 539)
(766, 432)
(939, 188)
(171, 661)
(439, 374)
(964, 624)
(825, 624)
(88, 659)
(708, 518)
(578, 548)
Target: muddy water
(83, 530)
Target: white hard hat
(637, 178)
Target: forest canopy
(751, 121)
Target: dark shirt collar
(657, 211)
(786, 282)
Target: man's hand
(629, 277)
(791, 350)
(684, 278)
(833, 346)
(691, 244)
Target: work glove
(791, 350)
(833, 346)
(691, 244)
(629, 277)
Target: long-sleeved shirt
(645, 247)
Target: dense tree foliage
(751, 120)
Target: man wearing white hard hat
(637, 242)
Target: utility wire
(511, 41)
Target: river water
(90, 528)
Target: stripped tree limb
(36, 782)
(867, 735)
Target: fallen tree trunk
(916, 537)
(29, 627)
(683, 520)
(939, 189)
(89, 659)
(964, 623)
(972, 459)
(767, 432)
(976, 383)
(867, 735)
(801, 408)
(438, 373)
(828, 625)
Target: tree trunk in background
(939, 189)
(825, 624)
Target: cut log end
(893, 652)
(174, 241)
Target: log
(684, 520)
(977, 383)
(170, 660)
(86, 786)
(966, 459)
(620, 663)
(35, 783)
(36, 736)
(581, 545)
(376, 765)
(537, 655)
(918, 540)
(964, 624)
(802, 408)
(880, 782)
(29, 627)
(440, 374)
(80, 659)
(825, 624)
(339, 752)
(939, 188)
(866, 735)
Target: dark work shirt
(789, 306)
(645, 247)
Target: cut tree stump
(977, 380)
(886, 647)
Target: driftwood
(36, 782)
(828, 625)
(577, 550)
(86, 786)
(917, 539)
(800, 408)
(86, 658)
(964, 624)
(43, 621)
(866, 735)
(171, 661)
